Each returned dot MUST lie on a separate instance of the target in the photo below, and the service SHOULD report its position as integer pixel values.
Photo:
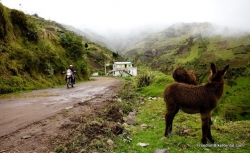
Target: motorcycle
(69, 79)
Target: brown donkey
(195, 99)
(185, 76)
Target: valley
(35, 51)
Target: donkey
(195, 99)
(185, 76)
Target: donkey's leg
(175, 112)
(209, 135)
(169, 119)
(210, 121)
(205, 118)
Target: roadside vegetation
(34, 52)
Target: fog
(106, 15)
(121, 18)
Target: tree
(86, 45)
(115, 55)
(73, 45)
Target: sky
(127, 14)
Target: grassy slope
(235, 105)
(234, 135)
(95, 52)
(207, 46)
(152, 114)
(29, 65)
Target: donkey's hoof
(204, 141)
(166, 135)
(211, 140)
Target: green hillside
(189, 45)
(35, 51)
(195, 46)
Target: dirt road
(28, 119)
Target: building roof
(123, 63)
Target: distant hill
(122, 40)
(117, 40)
(192, 46)
(90, 36)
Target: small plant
(58, 149)
(129, 97)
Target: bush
(19, 18)
(83, 69)
(27, 29)
(159, 83)
(31, 33)
(3, 22)
(130, 99)
(144, 78)
(73, 45)
(231, 83)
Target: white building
(123, 69)
(95, 74)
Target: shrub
(31, 33)
(144, 78)
(73, 45)
(3, 22)
(27, 29)
(130, 99)
(19, 18)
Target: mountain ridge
(120, 40)
(185, 43)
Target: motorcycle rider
(73, 71)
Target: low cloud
(128, 14)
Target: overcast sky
(124, 14)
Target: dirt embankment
(47, 119)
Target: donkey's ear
(225, 70)
(213, 68)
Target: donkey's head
(216, 74)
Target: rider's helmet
(70, 66)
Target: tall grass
(159, 82)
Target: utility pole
(105, 66)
